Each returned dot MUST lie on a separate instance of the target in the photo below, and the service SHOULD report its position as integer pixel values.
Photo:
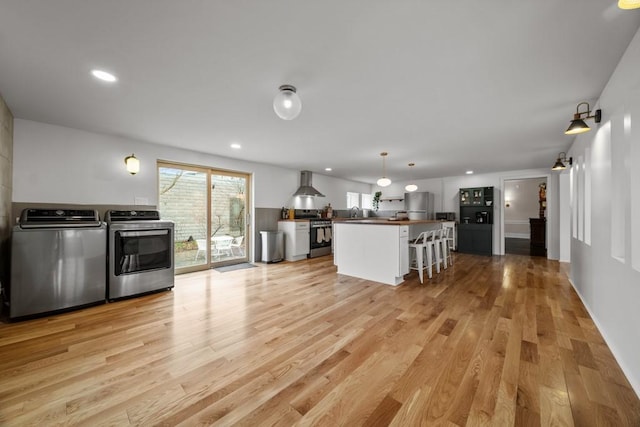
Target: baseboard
(516, 235)
(634, 384)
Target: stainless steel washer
(58, 261)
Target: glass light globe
(384, 182)
(287, 103)
(629, 4)
(411, 187)
(133, 164)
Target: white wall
(605, 256)
(54, 164)
(523, 196)
(446, 189)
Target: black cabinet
(475, 233)
(538, 245)
(475, 239)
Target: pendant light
(411, 187)
(629, 4)
(287, 103)
(133, 164)
(384, 181)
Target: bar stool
(447, 235)
(440, 245)
(423, 247)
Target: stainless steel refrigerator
(419, 205)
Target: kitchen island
(376, 249)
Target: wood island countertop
(385, 221)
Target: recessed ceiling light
(104, 76)
(236, 146)
(328, 169)
(469, 172)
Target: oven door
(141, 258)
(142, 250)
(320, 240)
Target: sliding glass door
(228, 218)
(209, 208)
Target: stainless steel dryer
(58, 261)
(141, 256)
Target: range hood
(306, 188)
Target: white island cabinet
(376, 249)
(379, 252)
(296, 239)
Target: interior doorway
(525, 210)
(210, 210)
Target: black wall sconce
(562, 161)
(578, 125)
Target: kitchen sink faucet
(354, 212)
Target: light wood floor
(494, 341)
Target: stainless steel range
(320, 237)
(141, 256)
(321, 232)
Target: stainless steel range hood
(306, 187)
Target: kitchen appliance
(482, 217)
(140, 252)
(320, 233)
(306, 186)
(402, 215)
(419, 205)
(446, 216)
(58, 261)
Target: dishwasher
(58, 261)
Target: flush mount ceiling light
(561, 162)
(287, 103)
(133, 164)
(629, 4)
(384, 181)
(104, 76)
(411, 187)
(578, 125)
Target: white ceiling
(483, 85)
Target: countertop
(385, 221)
(374, 221)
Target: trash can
(272, 246)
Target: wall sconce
(578, 125)
(561, 162)
(507, 203)
(411, 187)
(629, 4)
(133, 164)
(384, 181)
(287, 103)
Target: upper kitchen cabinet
(480, 196)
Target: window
(353, 199)
(367, 201)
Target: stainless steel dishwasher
(58, 261)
